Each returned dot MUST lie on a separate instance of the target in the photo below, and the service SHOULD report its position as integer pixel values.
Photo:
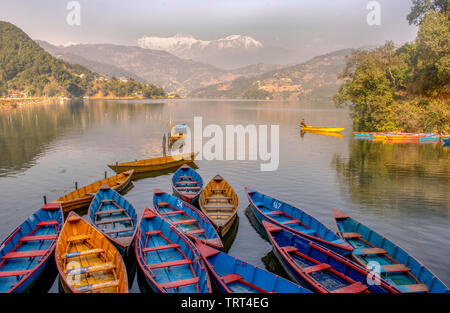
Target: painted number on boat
(179, 204)
(276, 204)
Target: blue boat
(168, 259)
(115, 218)
(320, 269)
(187, 184)
(186, 218)
(397, 266)
(27, 251)
(429, 139)
(234, 275)
(446, 141)
(266, 208)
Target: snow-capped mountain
(225, 52)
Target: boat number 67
(276, 204)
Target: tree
(421, 7)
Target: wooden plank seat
(316, 268)
(392, 268)
(352, 235)
(179, 283)
(169, 264)
(106, 200)
(83, 253)
(173, 212)
(24, 254)
(186, 182)
(185, 177)
(38, 238)
(292, 221)
(195, 232)
(78, 238)
(231, 278)
(123, 230)
(218, 198)
(47, 223)
(109, 212)
(219, 205)
(90, 269)
(276, 213)
(369, 251)
(357, 287)
(163, 247)
(13, 273)
(153, 232)
(185, 222)
(218, 189)
(289, 249)
(116, 220)
(188, 188)
(163, 204)
(417, 288)
(98, 286)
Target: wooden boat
(27, 251)
(220, 203)
(168, 260)
(154, 164)
(176, 133)
(266, 208)
(87, 261)
(233, 275)
(186, 218)
(321, 129)
(329, 134)
(397, 266)
(320, 269)
(82, 197)
(187, 184)
(115, 217)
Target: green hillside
(28, 70)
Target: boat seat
(153, 232)
(106, 200)
(47, 223)
(163, 247)
(392, 268)
(169, 264)
(308, 231)
(186, 177)
(220, 205)
(163, 203)
(218, 198)
(218, 189)
(116, 220)
(38, 238)
(24, 254)
(83, 253)
(231, 278)
(13, 273)
(195, 232)
(186, 182)
(188, 188)
(352, 235)
(116, 231)
(276, 213)
(172, 212)
(258, 204)
(369, 251)
(90, 269)
(293, 221)
(185, 222)
(78, 237)
(104, 285)
(109, 212)
(289, 249)
(353, 288)
(179, 283)
(414, 288)
(316, 268)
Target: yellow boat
(322, 129)
(154, 164)
(220, 203)
(330, 134)
(87, 261)
(82, 197)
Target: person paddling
(302, 123)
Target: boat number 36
(179, 204)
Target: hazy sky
(322, 25)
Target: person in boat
(302, 123)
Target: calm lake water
(400, 190)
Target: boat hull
(143, 168)
(322, 129)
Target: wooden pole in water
(45, 199)
(76, 185)
(117, 167)
(106, 175)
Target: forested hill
(27, 69)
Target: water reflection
(400, 177)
